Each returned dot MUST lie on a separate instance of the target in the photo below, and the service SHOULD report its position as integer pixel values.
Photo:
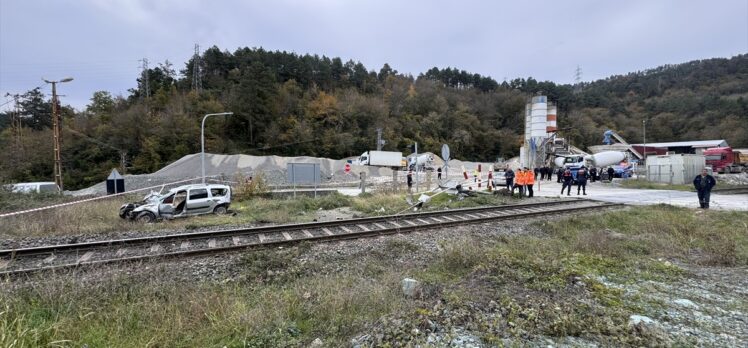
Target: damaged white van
(182, 201)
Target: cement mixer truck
(598, 160)
(601, 159)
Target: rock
(640, 319)
(686, 303)
(411, 287)
(316, 343)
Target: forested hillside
(290, 104)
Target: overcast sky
(100, 43)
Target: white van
(35, 187)
(182, 201)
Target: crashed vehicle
(179, 202)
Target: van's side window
(217, 192)
(198, 194)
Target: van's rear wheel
(146, 217)
(220, 210)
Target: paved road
(609, 193)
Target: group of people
(568, 180)
(523, 180)
(543, 173)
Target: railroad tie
(50, 258)
(185, 245)
(448, 218)
(308, 233)
(366, 229)
(436, 219)
(346, 229)
(484, 215)
(327, 231)
(286, 235)
(120, 252)
(261, 237)
(472, 216)
(4, 263)
(396, 224)
(212, 243)
(236, 240)
(156, 248)
(87, 256)
(423, 221)
(381, 227)
(410, 222)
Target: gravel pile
(273, 168)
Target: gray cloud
(99, 42)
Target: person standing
(529, 182)
(611, 173)
(549, 173)
(509, 177)
(410, 180)
(567, 181)
(519, 181)
(593, 173)
(559, 175)
(582, 180)
(439, 173)
(704, 184)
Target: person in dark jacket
(439, 173)
(410, 180)
(611, 173)
(568, 180)
(582, 176)
(509, 176)
(593, 174)
(703, 184)
(559, 174)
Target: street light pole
(202, 140)
(644, 125)
(56, 132)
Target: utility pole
(197, 82)
(56, 130)
(146, 88)
(644, 125)
(380, 142)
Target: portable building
(674, 169)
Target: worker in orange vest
(519, 181)
(529, 182)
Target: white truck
(424, 161)
(380, 158)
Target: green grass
(550, 283)
(649, 185)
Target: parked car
(34, 187)
(179, 202)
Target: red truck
(724, 160)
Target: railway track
(14, 262)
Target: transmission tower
(578, 79)
(197, 81)
(146, 91)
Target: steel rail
(320, 238)
(262, 229)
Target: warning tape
(20, 212)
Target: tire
(220, 210)
(146, 217)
